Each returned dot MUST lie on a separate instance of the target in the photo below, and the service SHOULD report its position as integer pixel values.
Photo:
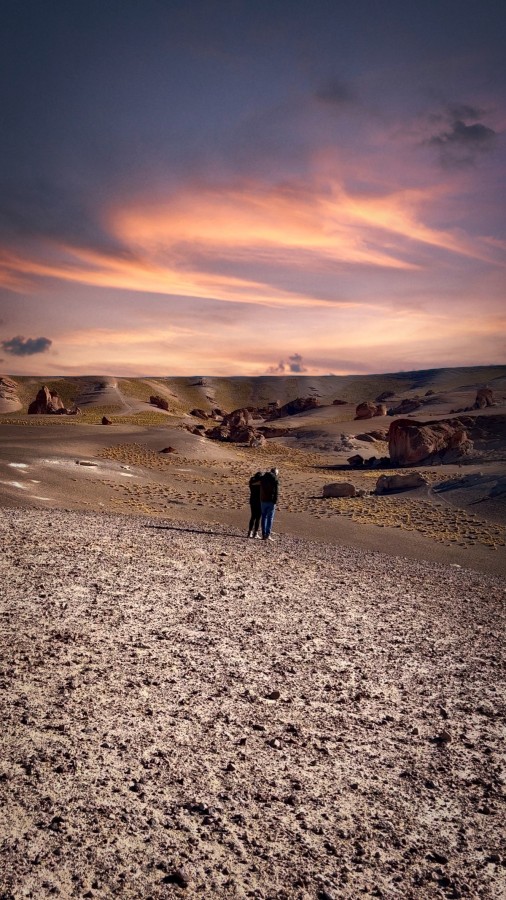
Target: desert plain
(189, 713)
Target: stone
(365, 410)
(168, 450)
(274, 695)
(179, 877)
(46, 402)
(411, 442)
(199, 413)
(484, 398)
(365, 437)
(9, 400)
(239, 418)
(273, 432)
(339, 402)
(406, 406)
(339, 489)
(356, 461)
(106, 421)
(385, 395)
(386, 483)
(368, 410)
(160, 402)
(293, 408)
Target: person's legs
(264, 516)
(267, 519)
(254, 521)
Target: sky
(251, 187)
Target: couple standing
(263, 489)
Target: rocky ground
(188, 713)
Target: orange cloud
(246, 244)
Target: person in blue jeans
(268, 499)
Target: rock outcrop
(484, 398)
(239, 418)
(49, 403)
(339, 489)
(301, 404)
(387, 483)
(368, 409)
(408, 405)
(160, 402)
(236, 428)
(411, 442)
(274, 432)
(9, 400)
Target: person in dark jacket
(254, 502)
(268, 500)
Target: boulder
(379, 435)
(365, 437)
(239, 418)
(160, 402)
(199, 413)
(405, 406)
(484, 398)
(274, 432)
(408, 482)
(367, 410)
(339, 489)
(106, 421)
(356, 461)
(386, 395)
(411, 442)
(46, 403)
(301, 404)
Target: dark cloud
(293, 366)
(474, 136)
(334, 92)
(20, 346)
(463, 111)
(463, 139)
(295, 363)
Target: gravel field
(191, 714)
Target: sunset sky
(244, 187)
